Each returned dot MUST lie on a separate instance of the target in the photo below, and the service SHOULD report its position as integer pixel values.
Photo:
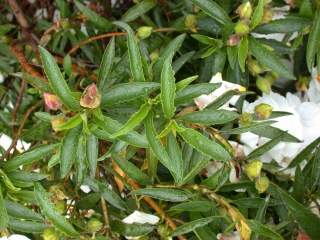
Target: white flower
(230, 236)
(85, 188)
(141, 218)
(15, 237)
(204, 100)
(5, 142)
(313, 92)
(1, 78)
(304, 124)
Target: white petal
(141, 218)
(18, 237)
(85, 188)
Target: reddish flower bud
(52, 101)
(303, 236)
(233, 40)
(91, 97)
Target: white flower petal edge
(15, 237)
(304, 123)
(204, 100)
(141, 218)
(313, 92)
(232, 236)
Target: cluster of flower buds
(263, 111)
(253, 171)
(144, 32)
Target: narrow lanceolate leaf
(126, 92)
(4, 219)
(70, 123)
(131, 170)
(213, 10)
(264, 230)
(48, 210)
(251, 128)
(134, 53)
(210, 117)
(175, 155)
(204, 144)
(57, 81)
(134, 120)
(106, 64)
(92, 153)
(313, 41)
(27, 226)
(81, 160)
(69, 150)
(307, 220)
(166, 194)
(17, 210)
(138, 10)
(170, 49)
(257, 14)
(268, 58)
(93, 17)
(193, 206)
(243, 52)
(168, 89)
(29, 157)
(190, 226)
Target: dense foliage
(158, 119)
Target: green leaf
(170, 49)
(182, 60)
(134, 53)
(92, 153)
(67, 65)
(48, 210)
(138, 10)
(286, 25)
(30, 156)
(4, 219)
(257, 14)
(166, 194)
(168, 88)
(111, 126)
(69, 150)
(212, 9)
(185, 82)
(272, 132)
(250, 128)
(131, 170)
(106, 64)
(27, 226)
(307, 220)
(298, 185)
(313, 41)
(269, 58)
(109, 195)
(193, 206)
(70, 123)
(243, 53)
(7, 181)
(210, 117)
(175, 155)
(222, 100)
(204, 144)
(36, 82)
(304, 154)
(93, 17)
(126, 92)
(17, 210)
(57, 81)
(264, 230)
(134, 120)
(5, 28)
(232, 55)
(131, 230)
(188, 93)
(190, 226)
(81, 160)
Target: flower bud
(144, 32)
(263, 85)
(267, 15)
(50, 234)
(233, 40)
(245, 119)
(60, 206)
(262, 184)
(245, 10)
(254, 67)
(253, 169)
(263, 111)
(241, 28)
(91, 97)
(52, 101)
(57, 121)
(190, 22)
(154, 55)
(65, 24)
(94, 225)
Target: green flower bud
(154, 55)
(65, 24)
(262, 184)
(60, 206)
(190, 22)
(163, 231)
(245, 119)
(241, 28)
(263, 111)
(144, 32)
(94, 225)
(263, 85)
(253, 169)
(254, 67)
(245, 10)
(50, 234)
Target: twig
(19, 100)
(111, 34)
(105, 212)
